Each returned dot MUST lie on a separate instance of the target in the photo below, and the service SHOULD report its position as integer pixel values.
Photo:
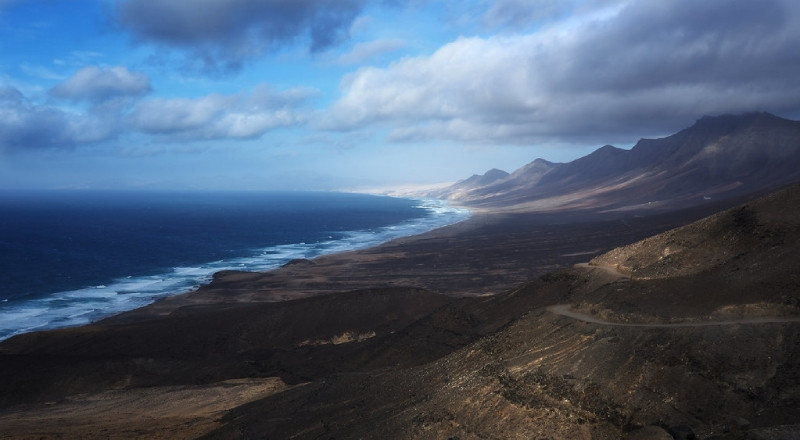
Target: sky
(356, 94)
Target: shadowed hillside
(716, 158)
(701, 360)
(699, 338)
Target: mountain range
(716, 158)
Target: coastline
(95, 302)
(484, 255)
(389, 309)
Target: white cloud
(41, 72)
(602, 77)
(25, 125)
(520, 14)
(95, 84)
(240, 116)
(471, 78)
(364, 51)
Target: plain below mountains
(716, 158)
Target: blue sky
(342, 94)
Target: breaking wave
(91, 303)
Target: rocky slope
(679, 343)
(544, 375)
(717, 157)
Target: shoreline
(207, 294)
(382, 316)
(514, 248)
(95, 303)
(437, 259)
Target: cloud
(519, 14)
(95, 84)
(650, 66)
(25, 126)
(364, 51)
(227, 33)
(240, 116)
(40, 72)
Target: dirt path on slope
(564, 310)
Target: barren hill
(678, 354)
(691, 331)
(717, 157)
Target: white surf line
(564, 310)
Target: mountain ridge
(718, 156)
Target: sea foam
(91, 303)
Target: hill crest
(717, 157)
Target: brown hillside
(722, 372)
(703, 342)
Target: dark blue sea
(71, 257)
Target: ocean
(68, 258)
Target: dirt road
(564, 310)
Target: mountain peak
(483, 179)
(494, 173)
(488, 177)
(608, 149)
(732, 122)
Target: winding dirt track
(564, 310)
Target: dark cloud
(229, 32)
(655, 43)
(96, 85)
(610, 75)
